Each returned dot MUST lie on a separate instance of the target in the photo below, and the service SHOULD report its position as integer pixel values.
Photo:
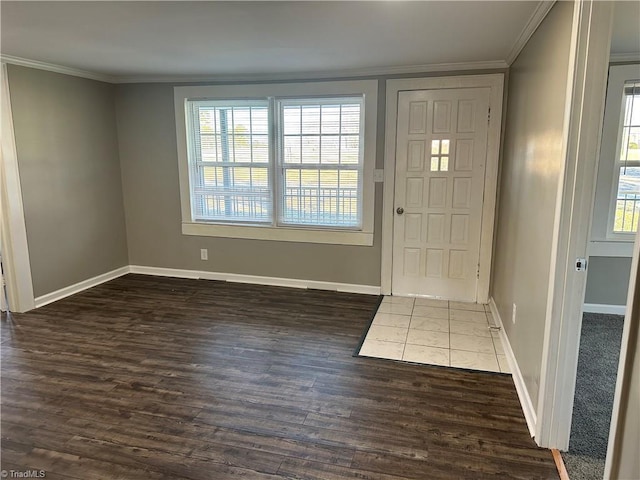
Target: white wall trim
(281, 234)
(602, 226)
(523, 394)
(624, 57)
(15, 248)
(43, 300)
(256, 279)
(623, 400)
(50, 67)
(368, 89)
(532, 25)
(360, 72)
(353, 73)
(496, 83)
(168, 272)
(603, 308)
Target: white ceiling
(180, 39)
(170, 38)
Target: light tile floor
(435, 332)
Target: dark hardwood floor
(160, 378)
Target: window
(439, 155)
(320, 162)
(627, 201)
(287, 162)
(229, 161)
(616, 209)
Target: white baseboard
(523, 394)
(43, 300)
(164, 272)
(256, 279)
(225, 277)
(603, 308)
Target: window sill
(279, 234)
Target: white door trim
(496, 83)
(591, 35)
(15, 251)
(623, 401)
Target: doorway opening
(614, 224)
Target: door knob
(399, 210)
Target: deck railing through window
(310, 206)
(321, 206)
(627, 212)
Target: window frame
(604, 241)
(276, 231)
(617, 166)
(281, 166)
(192, 131)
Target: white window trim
(282, 166)
(194, 176)
(368, 88)
(611, 234)
(603, 238)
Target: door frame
(493, 81)
(586, 90)
(13, 234)
(624, 401)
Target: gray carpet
(595, 386)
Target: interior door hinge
(489, 115)
(478, 272)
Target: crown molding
(624, 57)
(532, 25)
(363, 72)
(50, 67)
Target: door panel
(441, 150)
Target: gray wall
(608, 280)
(70, 176)
(531, 168)
(148, 154)
(99, 176)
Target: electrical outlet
(513, 314)
(204, 254)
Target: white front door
(441, 151)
